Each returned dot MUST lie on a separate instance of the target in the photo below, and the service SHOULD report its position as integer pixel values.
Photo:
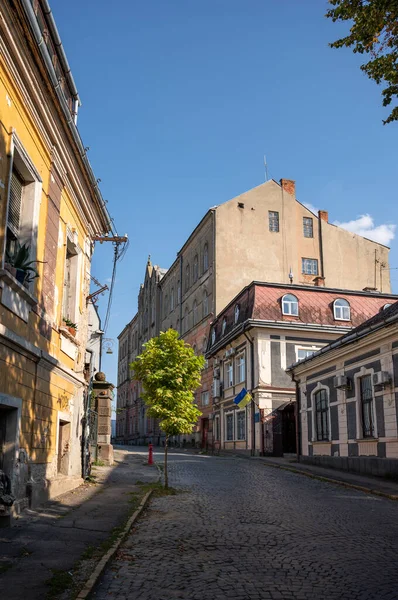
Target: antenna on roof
(265, 168)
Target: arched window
(341, 310)
(178, 292)
(186, 320)
(205, 257)
(205, 304)
(321, 415)
(223, 327)
(386, 306)
(236, 313)
(187, 278)
(195, 268)
(172, 299)
(290, 305)
(195, 312)
(166, 305)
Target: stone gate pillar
(103, 405)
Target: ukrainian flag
(242, 398)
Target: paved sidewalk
(376, 485)
(56, 536)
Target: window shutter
(14, 209)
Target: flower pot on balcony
(72, 331)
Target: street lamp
(107, 344)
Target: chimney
(289, 186)
(319, 281)
(324, 215)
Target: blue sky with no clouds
(182, 99)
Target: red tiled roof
(263, 302)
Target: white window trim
(314, 438)
(363, 371)
(236, 425)
(290, 314)
(227, 414)
(226, 364)
(301, 347)
(336, 318)
(239, 356)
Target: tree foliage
(374, 31)
(170, 373)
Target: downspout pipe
(297, 415)
(253, 452)
(65, 108)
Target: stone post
(103, 406)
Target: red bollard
(150, 455)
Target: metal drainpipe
(253, 452)
(298, 420)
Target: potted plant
(18, 263)
(70, 325)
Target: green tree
(170, 373)
(374, 31)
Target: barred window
(322, 415)
(367, 406)
(308, 227)
(230, 427)
(241, 425)
(273, 217)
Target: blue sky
(181, 100)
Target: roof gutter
(65, 108)
(344, 341)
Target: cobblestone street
(243, 531)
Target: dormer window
(237, 311)
(223, 327)
(213, 336)
(290, 305)
(341, 310)
(386, 306)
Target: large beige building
(264, 234)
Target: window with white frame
(71, 286)
(309, 266)
(305, 352)
(205, 257)
(229, 375)
(236, 313)
(342, 310)
(308, 227)
(223, 326)
(240, 368)
(213, 336)
(241, 425)
(367, 410)
(24, 196)
(290, 305)
(229, 426)
(321, 402)
(205, 398)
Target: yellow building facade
(50, 210)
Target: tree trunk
(166, 475)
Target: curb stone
(352, 486)
(93, 579)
